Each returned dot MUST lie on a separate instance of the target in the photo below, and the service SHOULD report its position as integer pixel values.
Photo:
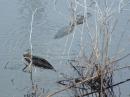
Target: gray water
(15, 18)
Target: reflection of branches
(75, 68)
(68, 87)
(122, 5)
(120, 59)
(81, 80)
(108, 87)
(29, 6)
(35, 91)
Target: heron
(37, 62)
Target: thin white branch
(31, 30)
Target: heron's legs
(24, 69)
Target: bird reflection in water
(78, 20)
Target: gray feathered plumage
(37, 62)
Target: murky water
(52, 15)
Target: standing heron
(37, 62)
